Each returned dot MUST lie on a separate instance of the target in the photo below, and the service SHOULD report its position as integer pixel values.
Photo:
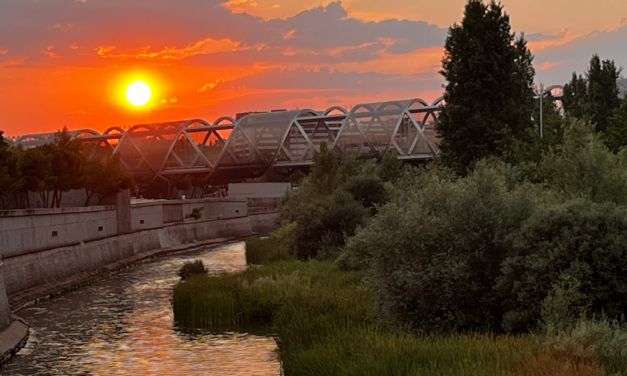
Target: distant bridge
(233, 149)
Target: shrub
(577, 241)
(603, 341)
(263, 251)
(369, 191)
(190, 269)
(320, 221)
(437, 249)
(583, 167)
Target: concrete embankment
(31, 275)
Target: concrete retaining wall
(5, 311)
(32, 229)
(146, 216)
(263, 223)
(47, 270)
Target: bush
(312, 222)
(583, 167)
(594, 341)
(578, 241)
(190, 269)
(437, 249)
(264, 251)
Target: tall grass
(263, 251)
(322, 319)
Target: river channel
(124, 326)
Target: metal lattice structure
(247, 147)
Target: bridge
(284, 140)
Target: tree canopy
(489, 95)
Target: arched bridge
(231, 149)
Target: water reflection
(123, 326)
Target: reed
(324, 323)
(263, 251)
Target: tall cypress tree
(489, 94)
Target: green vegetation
(508, 256)
(190, 269)
(55, 168)
(264, 251)
(489, 94)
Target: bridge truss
(234, 149)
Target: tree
(575, 98)
(528, 153)
(489, 94)
(595, 96)
(391, 168)
(68, 165)
(104, 178)
(602, 91)
(34, 170)
(616, 134)
(8, 172)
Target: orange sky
(67, 62)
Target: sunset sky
(68, 62)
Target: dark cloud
(76, 29)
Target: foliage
(582, 166)
(595, 96)
(577, 241)
(436, 250)
(321, 319)
(316, 218)
(529, 151)
(329, 205)
(600, 341)
(190, 269)
(263, 251)
(196, 213)
(391, 168)
(489, 94)
(105, 177)
(616, 135)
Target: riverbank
(123, 325)
(33, 276)
(325, 324)
(13, 339)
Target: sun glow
(138, 93)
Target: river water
(124, 326)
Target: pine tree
(489, 94)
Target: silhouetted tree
(595, 96)
(489, 94)
(104, 178)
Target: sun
(138, 93)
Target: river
(124, 326)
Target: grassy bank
(322, 320)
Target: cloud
(575, 54)
(3, 51)
(122, 29)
